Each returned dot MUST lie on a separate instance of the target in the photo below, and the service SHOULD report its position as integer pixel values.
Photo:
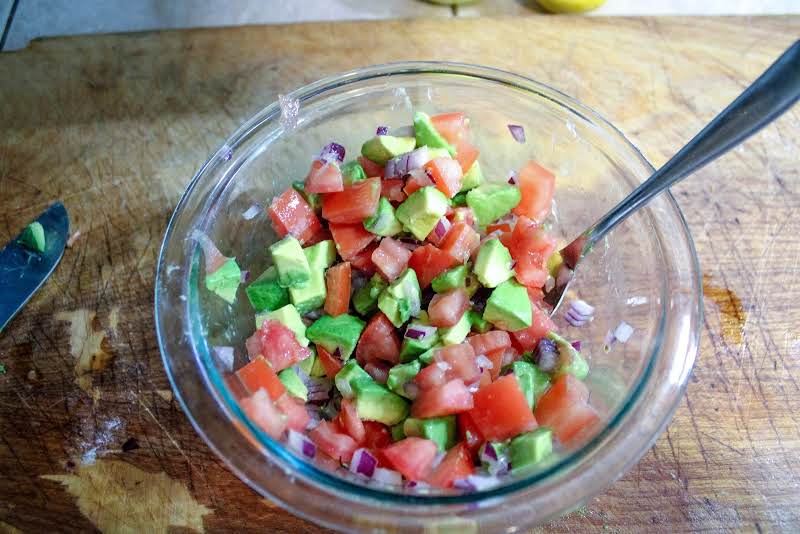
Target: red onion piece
(442, 227)
(475, 483)
(225, 356)
(300, 443)
(512, 179)
(623, 332)
(405, 163)
(251, 212)
(420, 331)
(387, 476)
(363, 463)
(484, 362)
(437, 459)
(244, 276)
(576, 345)
(332, 152)
(517, 132)
(382, 130)
(487, 453)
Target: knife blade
(23, 271)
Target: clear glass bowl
(646, 274)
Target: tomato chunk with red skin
(501, 411)
(565, 408)
(456, 465)
(337, 281)
(377, 435)
(363, 260)
(324, 177)
(461, 241)
(392, 189)
(258, 374)
(449, 399)
(501, 227)
(412, 457)
(371, 169)
(460, 360)
(291, 214)
(354, 203)
(330, 364)
(264, 414)
(279, 345)
(451, 126)
(496, 357)
(391, 258)
(379, 341)
(536, 186)
(349, 422)
(447, 308)
(530, 247)
(446, 174)
(322, 235)
(469, 433)
(331, 441)
(294, 409)
(350, 239)
(429, 262)
(466, 154)
(490, 341)
(541, 324)
(416, 180)
(432, 376)
(378, 371)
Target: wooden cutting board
(90, 435)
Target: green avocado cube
(493, 264)
(440, 430)
(401, 299)
(265, 293)
(473, 178)
(450, 279)
(420, 212)
(32, 237)
(426, 358)
(314, 199)
(352, 172)
(293, 384)
(290, 262)
(509, 307)
(397, 432)
(384, 222)
(340, 332)
(289, 317)
(382, 148)
(225, 281)
(453, 335)
(400, 374)
(489, 202)
(426, 134)
(312, 366)
(321, 255)
(312, 295)
(532, 381)
(570, 361)
(365, 300)
(435, 152)
(459, 199)
(347, 376)
(478, 323)
(375, 402)
(411, 348)
(531, 448)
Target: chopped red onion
(483, 362)
(411, 390)
(244, 277)
(623, 332)
(409, 243)
(437, 459)
(582, 307)
(508, 357)
(512, 179)
(405, 163)
(517, 132)
(574, 319)
(251, 212)
(338, 353)
(475, 386)
(363, 463)
(442, 227)
(225, 356)
(475, 483)
(300, 443)
(416, 485)
(387, 476)
(318, 395)
(546, 355)
(576, 345)
(332, 152)
(512, 264)
(487, 452)
(419, 331)
(382, 130)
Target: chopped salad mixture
(401, 330)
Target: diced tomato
(322, 235)
(449, 399)
(236, 387)
(324, 177)
(413, 457)
(294, 409)
(377, 435)
(348, 420)
(332, 442)
(279, 345)
(446, 174)
(379, 341)
(498, 227)
(456, 465)
(469, 433)
(371, 168)
(378, 371)
(447, 308)
(331, 364)
(263, 412)
(535, 294)
(466, 154)
(337, 281)
(460, 360)
(490, 341)
(565, 408)
(417, 179)
(429, 262)
(391, 258)
(451, 126)
(432, 376)
(258, 374)
(354, 203)
(536, 184)
(461, 241)
(363, 260)
(291, 214)
(350, 239)
(393, 189)
(505, 238)
(541, 324)
(530, 247)
(496, 357)
(501, 411)
(463, 214)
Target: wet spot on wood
(118, 497)
(87, 344)
(732, 314)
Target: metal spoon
(769, 96)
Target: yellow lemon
(570, 6)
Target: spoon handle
(769, 96)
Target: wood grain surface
(115, 126)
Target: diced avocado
(440, 430)
(489, 202)
(420, 212)
(322, 255)
(382, 148)
(312, 366)
(265, 293)
(570, 360)
(312, 295)
(32, 237)
(531, 448)
(376, 403)
(225, 280)
(478, 323)
(493, 264)
(314, 199)
(400, 374)
(460, 199)
(426, 358)
(365, 300)
(453, 335)
(472, 284)
(347, 376)
(401, 300)
(290, 262)
(438, 153)
(352, 172)
(289, 317)
(450, 279)
(554, 263)
(340, 332)
(384, 222)
(509, 307)
(533, 381)
(426, 133)
(293, 383)
(397, 432)
(411, 348)
(473, 178)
